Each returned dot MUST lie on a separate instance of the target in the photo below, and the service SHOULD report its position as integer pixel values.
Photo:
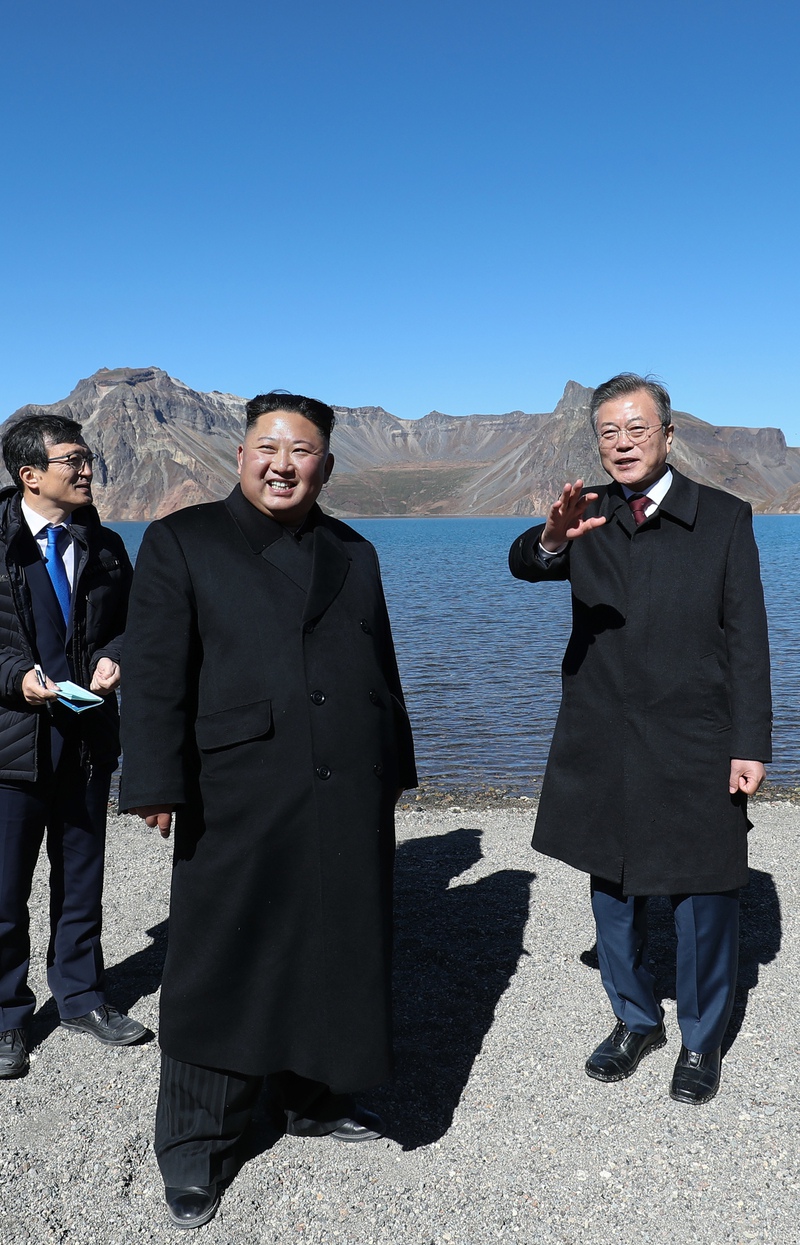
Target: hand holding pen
(37, 689)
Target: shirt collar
(656, 492)
(37, 522)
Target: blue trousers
(707, 928)
(71, 811)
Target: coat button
(377, 770)
(318, 698)
(323, 772)
(374, 697)
(365, 626)
(308, 628)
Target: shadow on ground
(456, 950)
(759, 943)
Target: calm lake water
(480, 653)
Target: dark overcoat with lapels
(262, 698)
(665, 679)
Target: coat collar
(83, 521)
(680, 503)
(331, 562)
(682, 500)
(331, 565)
(258, 529)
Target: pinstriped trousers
(202, 1114)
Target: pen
(40, 675)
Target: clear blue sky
(448, 204)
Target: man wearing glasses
(64, 582)
(664, 724)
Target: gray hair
(626, 383)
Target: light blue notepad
(77, 698)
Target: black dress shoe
(193, 1206)
(14, 1059)
(622, 1051)
(696, 1077)
(109, 1026)
(360, 1125)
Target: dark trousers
(71, 812)
(707, 928)
(202, 1114)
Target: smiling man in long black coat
(264, 709)
(664, 724)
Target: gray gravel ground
(497, 1134)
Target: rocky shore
(496, 1133)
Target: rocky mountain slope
(161, 445)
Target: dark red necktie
(638, 504)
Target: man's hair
(278, 400)
(626, 383)
(26, 442)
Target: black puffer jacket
(103, 575)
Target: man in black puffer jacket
(64, 583)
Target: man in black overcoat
(664, 724)
(263, 707)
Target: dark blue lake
(480, 652)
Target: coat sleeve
(114, 636)
(160, 660)
(406, 761)
(524, 563)
(745, 625)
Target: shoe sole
(131, 1041)
(623, 1076)
(198, 1221)
(693, 1102)
(349, 1141)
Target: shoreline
(429, 797)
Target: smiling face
(58, 491)
(283, 465)
(636, 465)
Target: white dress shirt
(66, 545)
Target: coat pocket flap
(233, 726)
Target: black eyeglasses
(75, 460)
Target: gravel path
(497, 1134)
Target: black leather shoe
(109, 1026)
(192, 1207)
(360, 1125)
(696, 1077)
(622, 1051)
(14, 1059)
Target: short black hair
(626, 383)
(25, 442)
(279, 400)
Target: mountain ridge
(160, 445)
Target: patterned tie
(55, 569)
(638, 504)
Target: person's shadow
(759, 943)
(456, 951)
(132, 979)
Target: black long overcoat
(262, 698)
(665, 679)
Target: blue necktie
(55, 569)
